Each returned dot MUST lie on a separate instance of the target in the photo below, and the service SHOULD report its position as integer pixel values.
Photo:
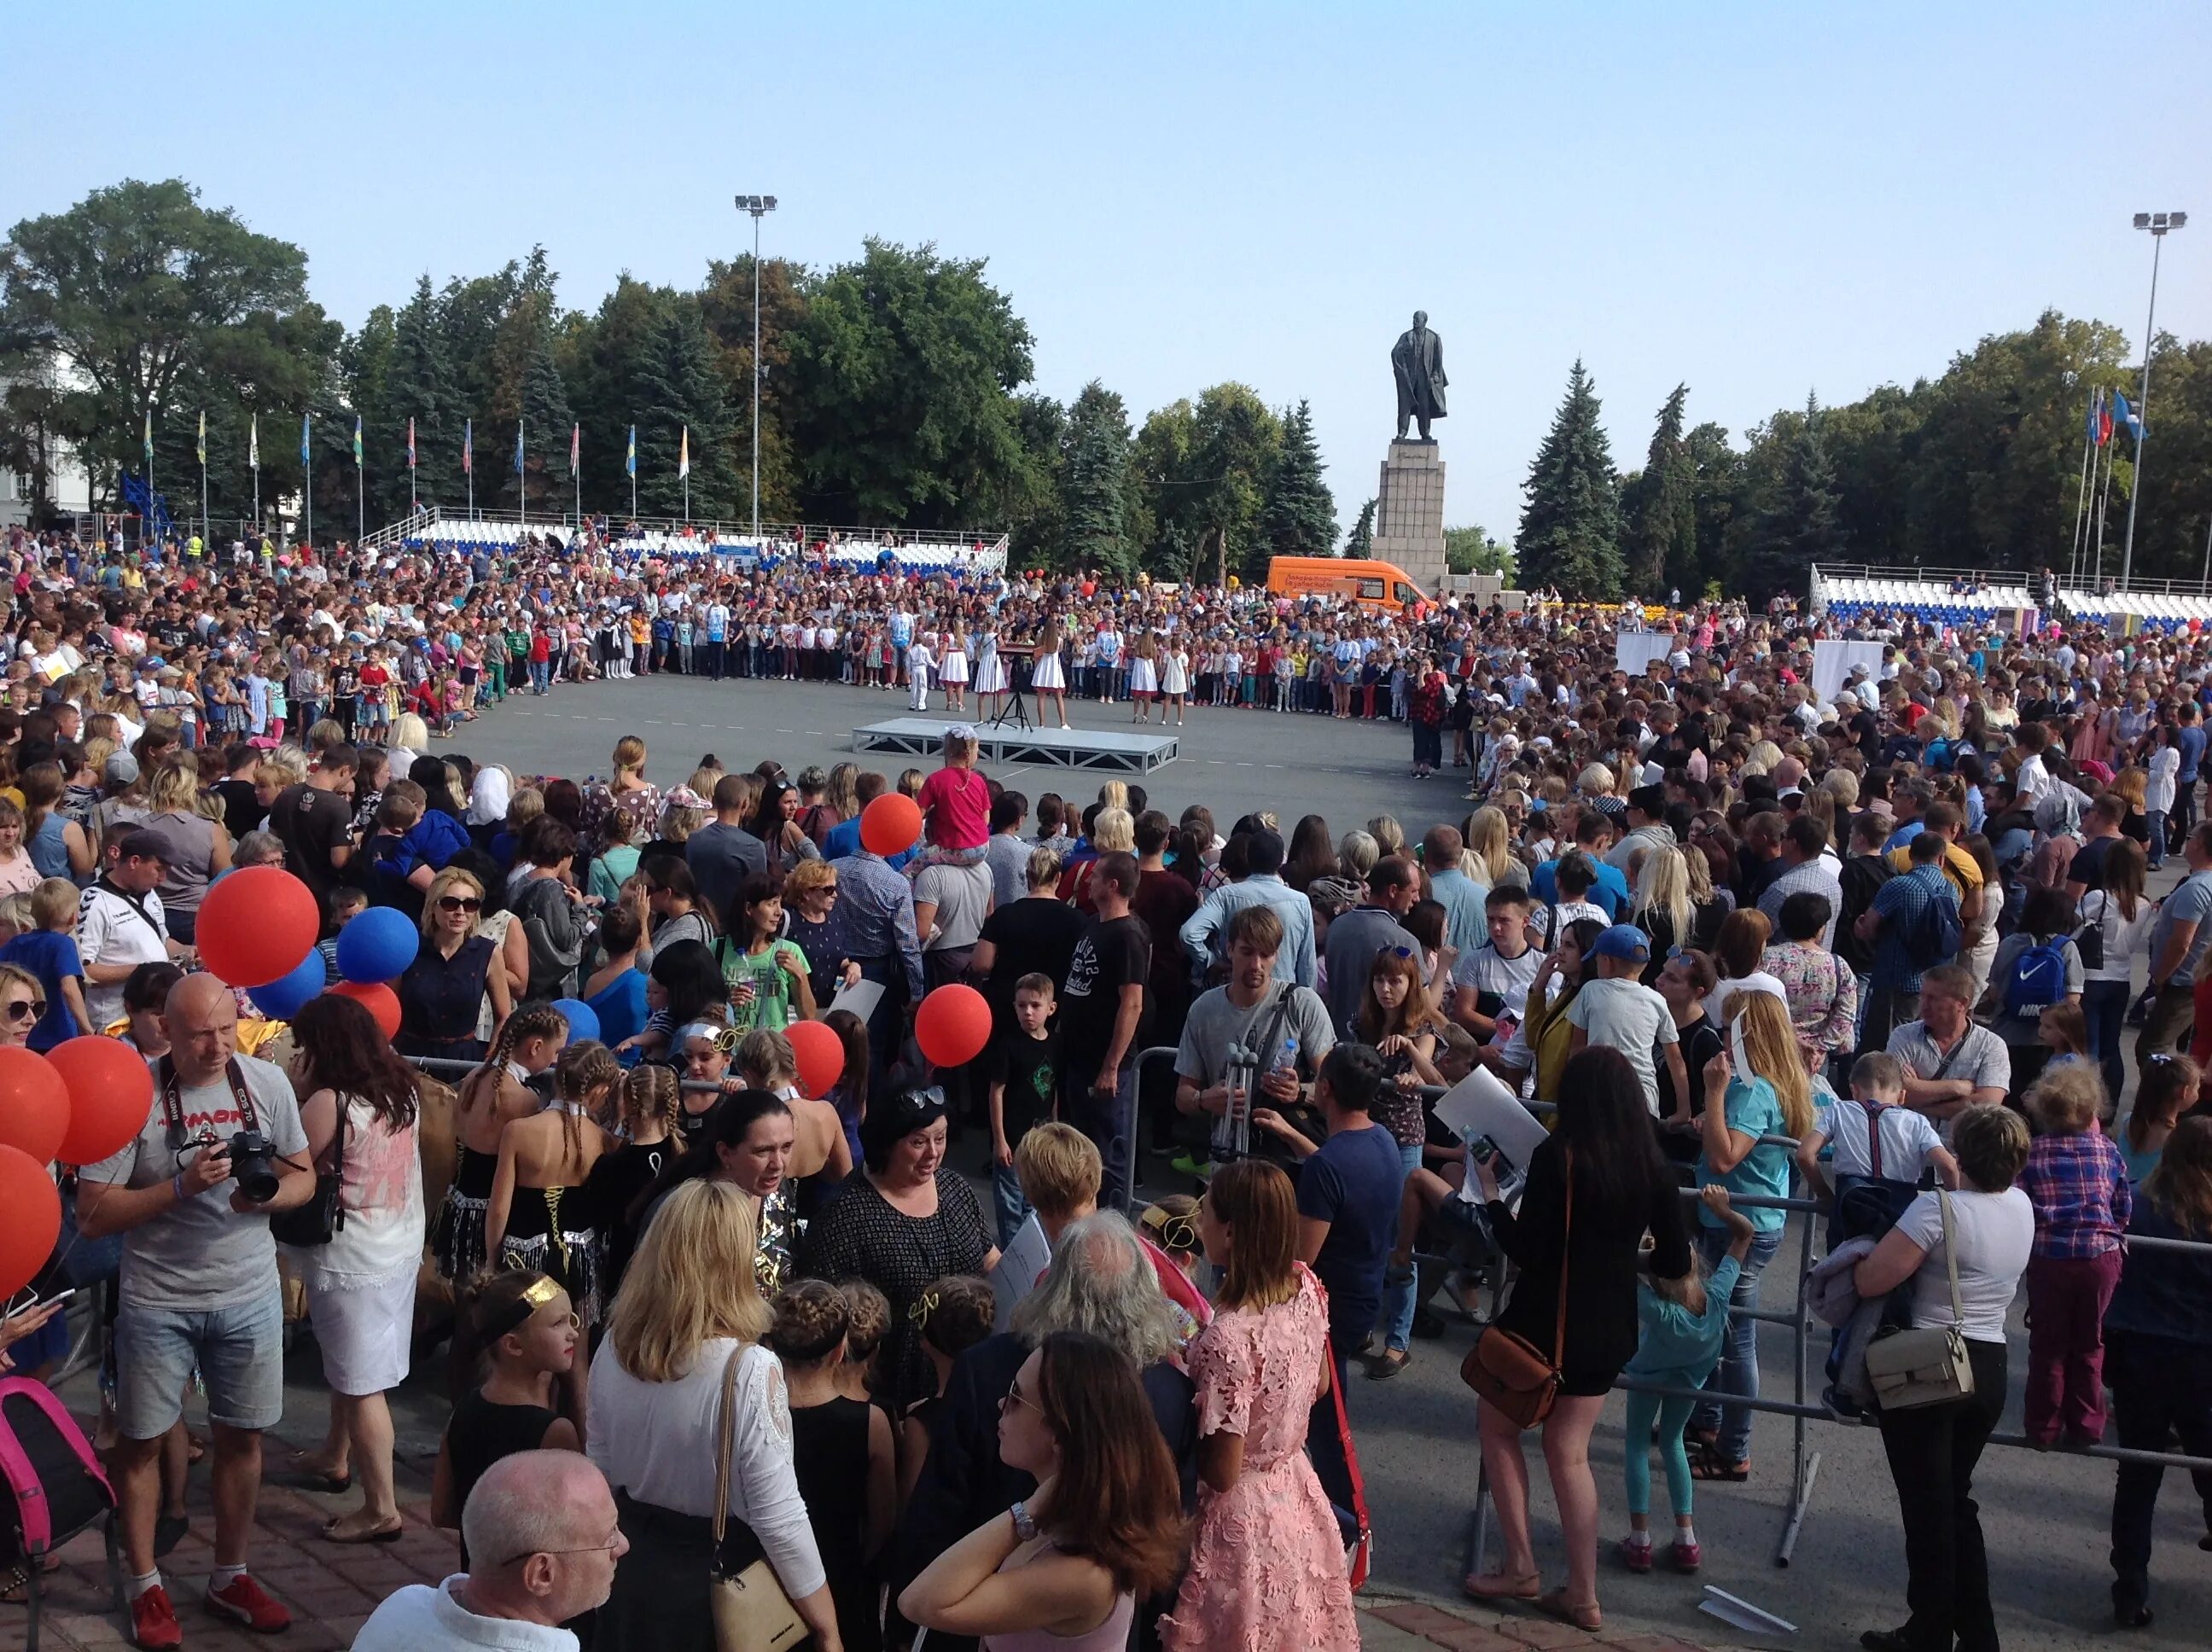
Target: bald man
(199, 1289)
(544, 1539)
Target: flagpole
(2081, 495)
(2104, 498)
(2158, 226)
(205, 543)
(576, 470)
(308, 481)
(522, 478)
(254, 446)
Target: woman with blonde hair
(1389, 836)
(410, 739)
(22, 1002)
(625, 801)
(1663, 908)
(442, 992)
(682, 1366)
(1774, 1098)
(1489, 836)
(1357, 855)
(199, 847)
(1113, 831)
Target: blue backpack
(1940, 934)
(2037, 979)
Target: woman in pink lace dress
(1267, 1568)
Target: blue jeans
(1737, 1374)
(2105, 1006)
(541, 675)
(2154, 854)
(1398, 1282)
(1106, 1122)
(1007, 1201)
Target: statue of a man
(1418, 360)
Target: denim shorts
(239, 1352)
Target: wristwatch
(1025, 1528)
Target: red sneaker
(154, 1624)
(245, 1601)
(1689, 1557)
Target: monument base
(1409, 513)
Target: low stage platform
(1056, 748)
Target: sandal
(1498, 1586)
(1556, 1605)
(369, 1534)
(1709, 1465)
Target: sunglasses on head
(459, 904)
(1394, 951)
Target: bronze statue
(1418, 360)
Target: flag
(149, 438)
(2104, 420)
(575, 448)
(2127, 416)
(468, 447)
(253, 440)
(305, 448)
(204, 438)
(410, 444)
(518, 450)
(2096, 418)
(357, 441)
(684, 458)
(629, 463)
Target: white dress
(953, 670)
(1045, 675)
(990, 670)
(1174, 672)
(1143, 678)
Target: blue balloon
(583, 1020)
(284, 997)
(378, 945)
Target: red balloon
(821, 1055)
(952, 1025)
(377, 999)
(256, 923)
(34, 1106)
(110, 1092)
(33, 1205)
(890, 825)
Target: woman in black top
(1621, 1190)
(441, 993)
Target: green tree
(1472, 551)
(1299, 516)
(904, 410)
(1361, 542)
(678, 392)
(1800, 524)
(1570, 532)
(547, 422)
(1237, 441)
(727, 302)
(419, 385)
(1659, 507)
(1171, 491)
(1094, 485)
(140, 298)
(1718, 469)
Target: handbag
(318, 1221)
(1359, 1557)
(1510, 1371)
(751, 1612)
(1927, 1366)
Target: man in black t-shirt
(1036, 935)
(312, 820)
(1102, 1020)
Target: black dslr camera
(253, 1166)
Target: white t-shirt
(1907, 1138)
(109, 929)
(1996, 1233)
(2123, 937)
(1629, 1017)
(420, 1619)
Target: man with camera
(192, 1195)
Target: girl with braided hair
(648, 1121)
(489, 1099)
(543, 1158)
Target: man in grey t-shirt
(1244, 1012)
(199, 1289)
(951, 902)
(2178, 941)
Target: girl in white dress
(1144, 678)
(952, 671)
(990, 675)
(1047, 676)
(1174, 680)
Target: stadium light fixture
(759, 206)
(2158, 223)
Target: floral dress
(1267, 1566)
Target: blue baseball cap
(1623, 941)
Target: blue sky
(1757, 200)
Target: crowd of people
(1735, 939)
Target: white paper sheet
(860, 997)
(1018, 1270)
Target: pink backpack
(52, 1483)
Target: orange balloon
(379, 999)
(821, 1055)
(255, 925)
(953, 1025)
(33, 1205)
(111, 1092)
(34, 1105)
(890, 825)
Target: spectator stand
(1948, 597)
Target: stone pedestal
(1409, 513)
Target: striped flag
(629, 463)
(357, 441)
(253, 440)
(306, 446)
(149, 438)
(468, 447)
(410, 444)
(518, 450)
(575, 448)
(203, 436)
(683, 461)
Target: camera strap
(173, 1099)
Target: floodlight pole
(760, 206)
(2158, 223)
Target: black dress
(1602, 1329)
(439, 999)
(618, 1177)
(829, 1450)
(481, 1432)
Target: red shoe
(1637, 1556)
(245, 1601)
(1689, 1557)
(154, 1624)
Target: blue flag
(2127, 416)
(2095, 396)
(630, 462)
(518, 450)
(303, 439)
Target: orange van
(1372, 585)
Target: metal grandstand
(1945, 595)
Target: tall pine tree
(677, 389)
(1298, 518)
(1570, 532)
(1094, 485)
(419, 385)
(1362, 540)
(1802, 524)
(1660, 509)
(546, 420)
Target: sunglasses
(23, 1008)
(1394, 951)
(459, 904)
(1014, 1396)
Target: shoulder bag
(318, 1221)
(1928, 1366)
(1508, 1370)
(751, 1612)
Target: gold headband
(540, 1291)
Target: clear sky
(1757, 200)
